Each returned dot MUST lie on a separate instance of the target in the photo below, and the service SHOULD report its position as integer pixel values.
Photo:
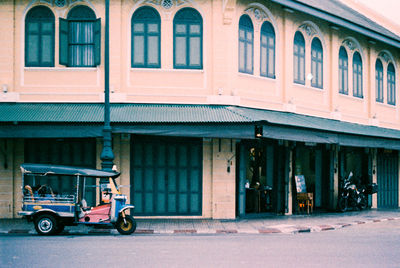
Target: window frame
(357, 75)
(246, 25)
(299, 58)
(379, 81)
(40, 34)
(268, 35)
(391, 85)
(146, 36)
(318, 60)
(198, 21)
(66, 44)
(343, 71)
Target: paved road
(373, 245)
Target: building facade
(216, 106)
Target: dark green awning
(22, 120)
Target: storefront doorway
(72, 152)
(388, 179)
(260, 178)
(359, 162)
(313, 163)
(166, 176)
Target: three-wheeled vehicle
(54, 197)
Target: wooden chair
(305, 201)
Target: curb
(273, 229)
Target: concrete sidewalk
(260, 225)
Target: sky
(388, 8)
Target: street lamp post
(107, 155)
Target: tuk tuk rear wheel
(128, 228)
(46, 224)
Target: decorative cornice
(384, 56)
(308, 29)
(167, 4)
(349, 44)
(257, 13)
(58, 3)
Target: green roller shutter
(71, 152)
(166, 176)
(63, 42)
(388, 180)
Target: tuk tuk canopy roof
(48, 169)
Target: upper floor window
(246, 34)
(188, 39)
(146, 38)
(267, 50)
(379, 80)
(39, 37)
(316, 63)
(80, 37)
(299, 64)
(343, 71)
(391, 84)
(357, 75)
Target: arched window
(343, 71)
(391, 84)
(246, 45)
(267, 50)
(188, 39)
(379, 80)
(357, 75)
(316, 63)
(146, 38)
(299, 64)
(80, 38)
(39, 37)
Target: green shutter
(63, 41)
(97, 42)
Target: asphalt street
(369, 245)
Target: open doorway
(313, 163)
(261, 178)
(357, 161)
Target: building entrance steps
(265, 225)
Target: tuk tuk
(54, 197)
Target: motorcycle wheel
(342, 204)
(128, 228)
(363, 202)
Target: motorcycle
(351, 196)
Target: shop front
(208, 161)
(62, 151)
(388, 178)
(166, 176)
(261, 177)
(358, 161)
(312, 162)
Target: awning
(59, 120)
(315, 136)
(50, 131)
(232, 131)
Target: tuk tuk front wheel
(126, 228)
(46, 224)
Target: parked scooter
(351, 196)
